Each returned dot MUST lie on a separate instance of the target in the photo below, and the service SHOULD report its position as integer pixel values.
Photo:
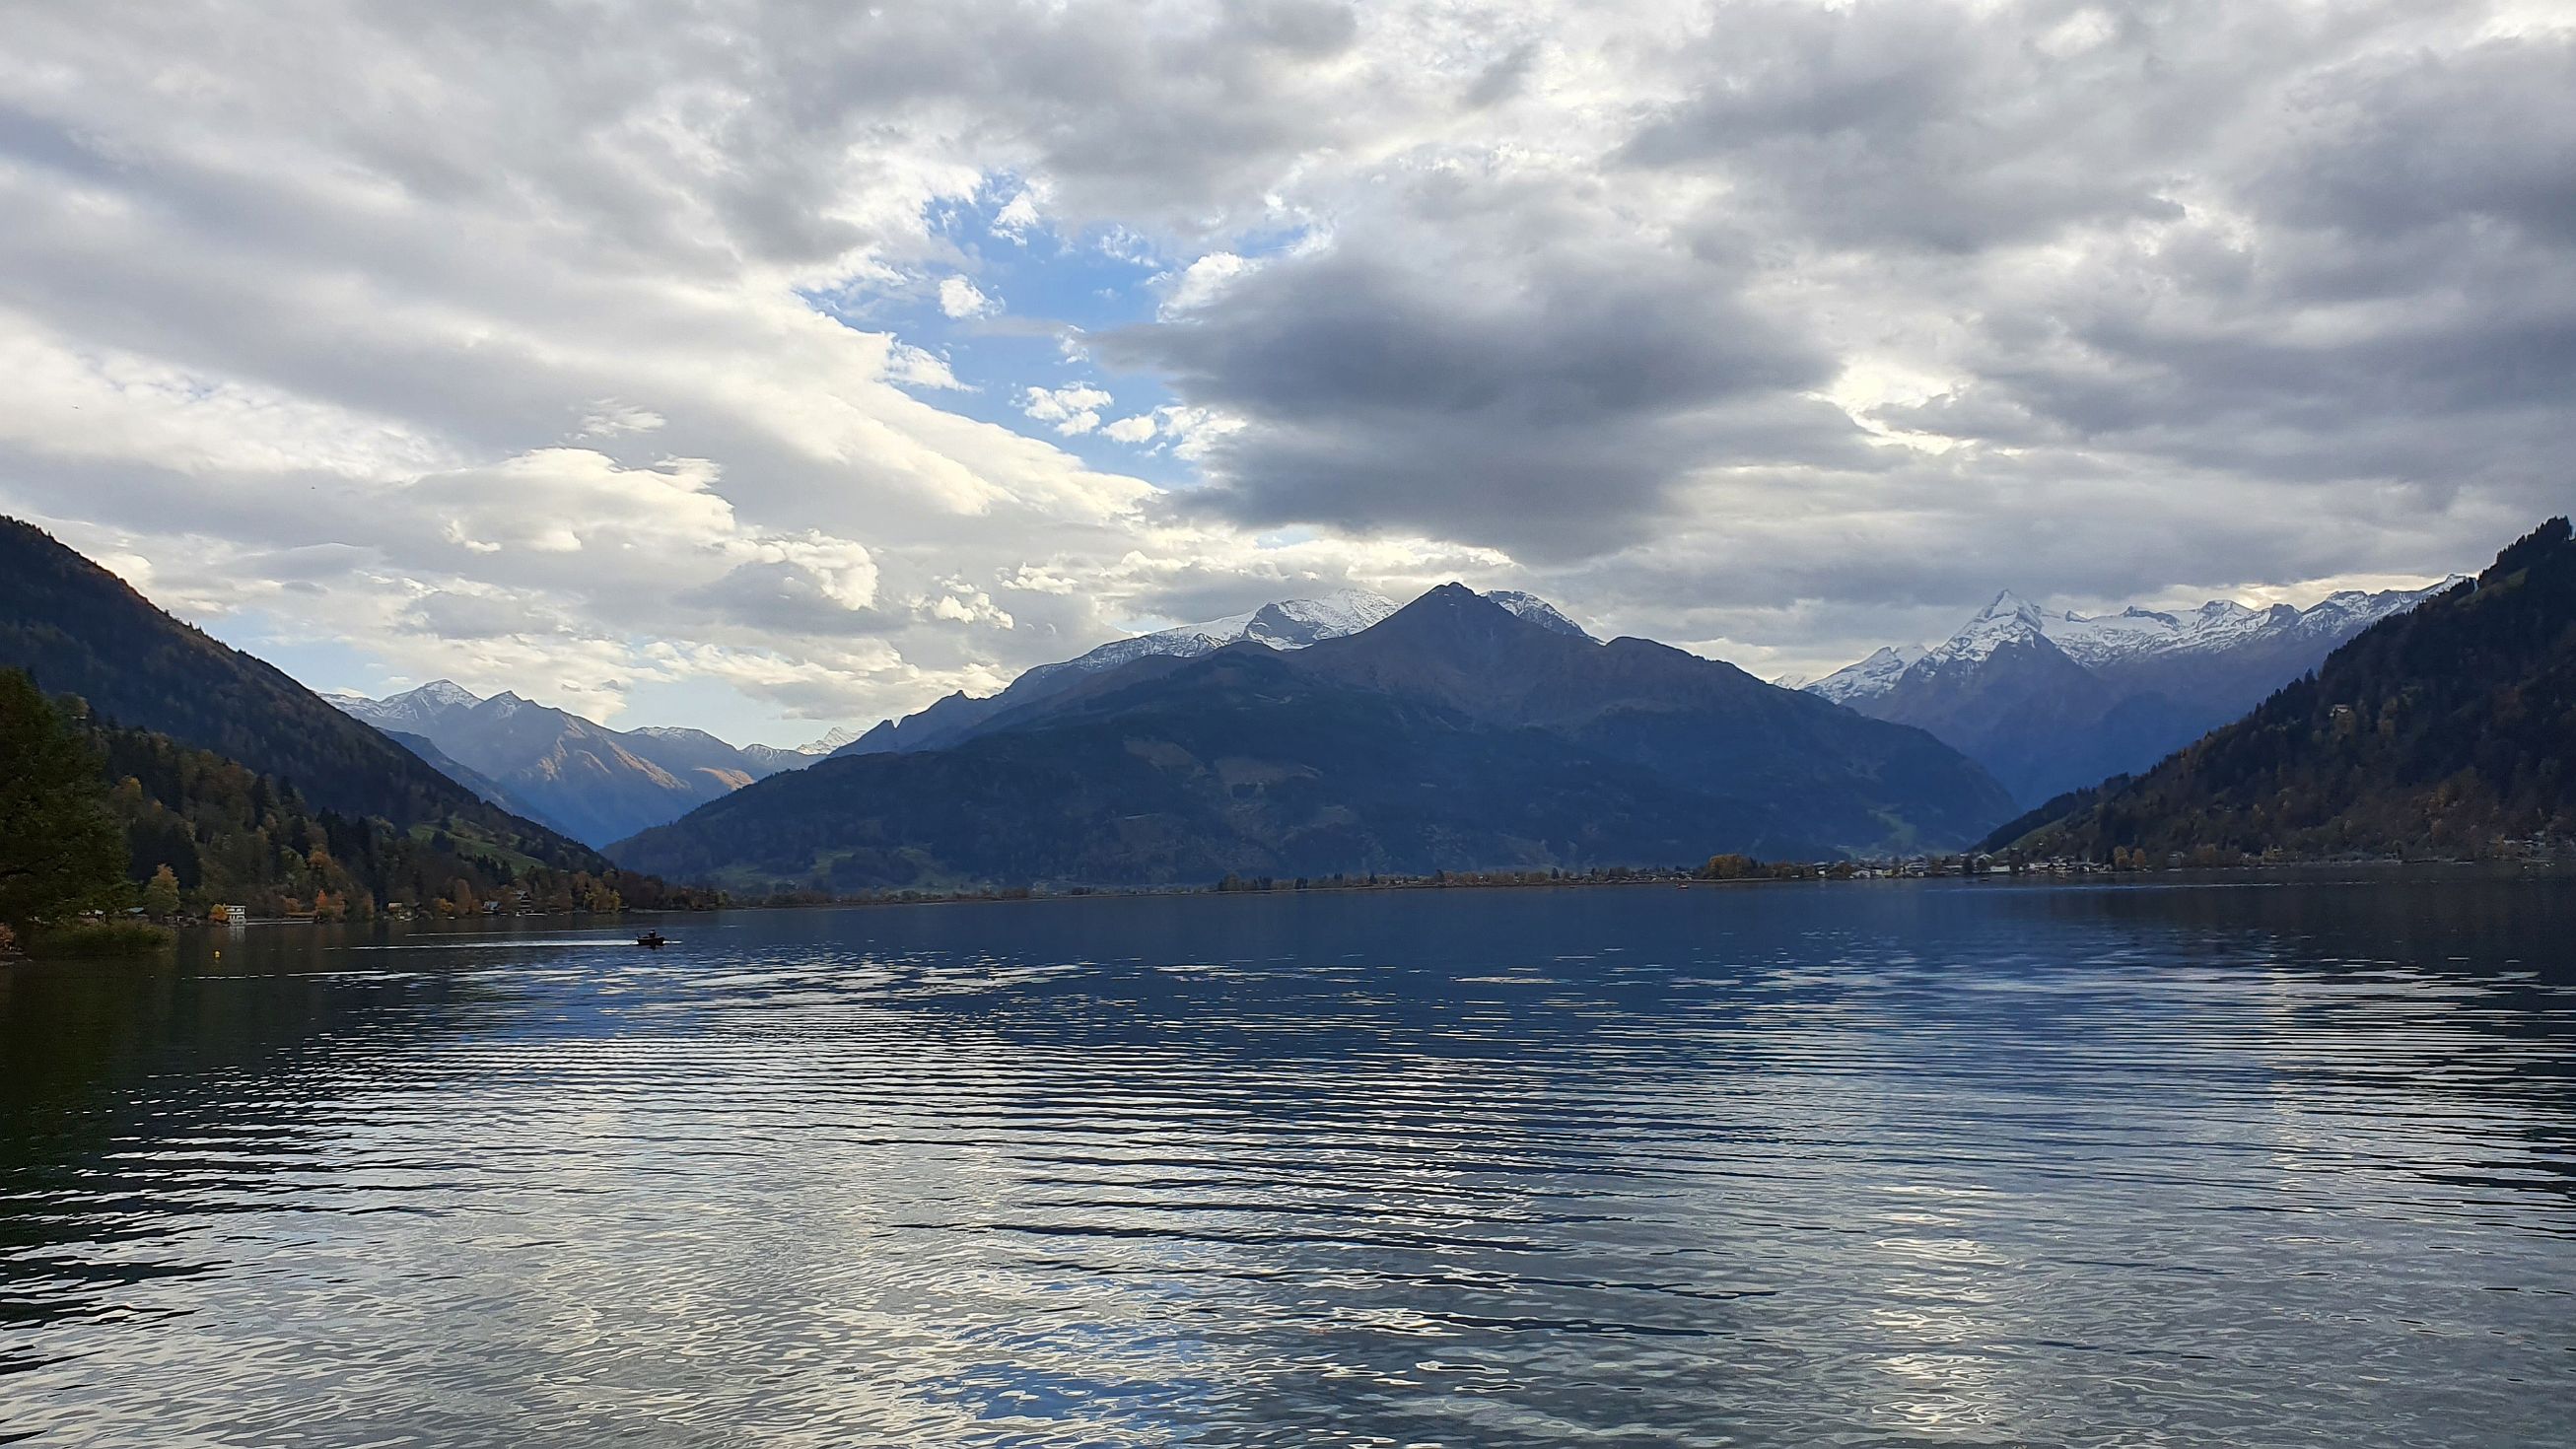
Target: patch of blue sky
(1045, 292)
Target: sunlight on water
(1954, 1165)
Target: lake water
(1964, 1163)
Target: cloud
(1771, 326)
(1069, 410)
(959, 298)
(1201, 281)
(609, 418)
(1491, 359)
(1018, 217)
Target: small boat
(653, 938)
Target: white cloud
(1201, 281)
(960, 298)
(1784, 323)
(1017, 218)
(1070, 410)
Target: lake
(2252, 1161)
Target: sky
(772, 366)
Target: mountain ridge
(1280, 624)
(1257, 760)
(595, 783)
(2056, 701)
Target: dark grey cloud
(2124, 259)
(1491, 364)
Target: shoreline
(1480, 881)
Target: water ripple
(1934, 1165)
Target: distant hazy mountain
(592, 782)
(2052, 702)
(2448, 727)
(1457, 733)
(1287, 624)
(78, 629)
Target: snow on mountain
(1287, 624)
(674, 734)
(2048, 701)
(797, 757)
(2010, 619)
(2222, 624)
(410, 710)
(1873, 676)
(1296, 623)
(2106, 639)
(1537, 610)
(832, 739)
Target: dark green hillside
(80, 630)
(2448, 729)
(1238, 762)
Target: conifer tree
(60, 849)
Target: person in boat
(651, 938)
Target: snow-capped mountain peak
(2009, 605)
(2111, 640)
(1331, 616)
(1538, 611)
(409, 710)
(1873, 676)
(2009, 620)
(832, 739)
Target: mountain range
(1461, 731)
(591, 782)
(2051, 702)
(599, 784)
(2446, 727)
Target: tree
(60, 850)
(161, 894)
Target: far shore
(1617, 878)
